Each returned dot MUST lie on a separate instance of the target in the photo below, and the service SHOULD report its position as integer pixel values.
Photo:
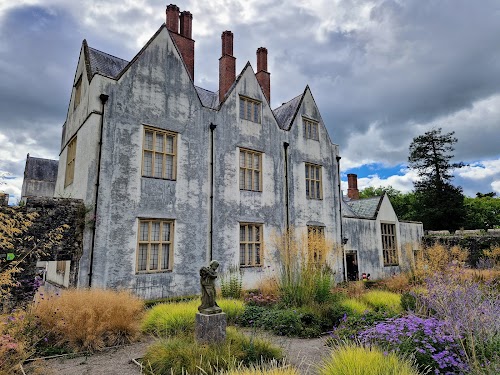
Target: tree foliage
(439, 204)
(482, 212)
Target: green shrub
(408, 301)
(382, 300)
(172, 318)
(302, 322)
(355, 306)
(352, 324)
(182, 354)
(356, 360)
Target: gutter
(104, 98)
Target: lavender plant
(427, 339)
(470, 310)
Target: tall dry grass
(303, 273)
(438, 258)
(90, 319)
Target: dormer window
(78, 92)
(250, 109)
(311, 130)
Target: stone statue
(207, 282)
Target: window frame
(316, 255)
(154, 152)
(160, 244)
(245, 169)
(247, 262)
(309, 125)
(78, 92)
(389, 244)
(69, 175)
(244, 106)
(311, 181)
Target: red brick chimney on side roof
(183, 40)
(227, 65)
(352, 186)
(262, 75)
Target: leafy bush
(90, 319)
(173, 318)
(303, 322)
(427, 339)
(350, 325)
(355, 360)
(182, 354)
(382, 300)
(408, 301)
(258, 299)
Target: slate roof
(41, 169)
(366, 208)
(208, 98)
(105, 64)
(284, 114)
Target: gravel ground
(305, 354)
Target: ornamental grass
(381, 300)
(173, 318)
(182, 354)
(355, 360)
(90, 319)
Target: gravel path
(305, 354)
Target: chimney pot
(262, 75)
(172, 18)
(186, 24)
(352, 186)
(262, 59)
(227, 64)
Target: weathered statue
(207, 282)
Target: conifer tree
(439, 204)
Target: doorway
(351, 259)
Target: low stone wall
(475, 242)
(52, 213)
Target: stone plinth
(210, 328)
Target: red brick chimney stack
(262, 75)
(173, 18)
(227, 64)
(182, 39)
(186, 24)
(352, 186)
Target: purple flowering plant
(427, 339)
(471, 312)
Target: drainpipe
(285, 147)
(212, 172)
(104, 98)
(344, 261)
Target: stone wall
(475, 243)
(53, 213)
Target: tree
(483, 212)
(439, 204)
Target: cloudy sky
(381, 72)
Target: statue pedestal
(210, 328)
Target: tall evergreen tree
(440, 204)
